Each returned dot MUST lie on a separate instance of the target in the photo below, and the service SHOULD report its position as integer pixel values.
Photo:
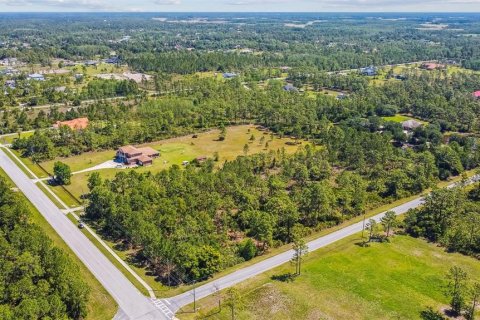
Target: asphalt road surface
(132, 304)
(177, 302)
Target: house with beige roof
(131, 155)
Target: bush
(247, 249)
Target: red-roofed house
(75, 124)
(140, 156)
(476, 94)
(432, 66)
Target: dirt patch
(270, 303)
(317, 314)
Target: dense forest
(451, 218)
(352, 157)
(37, 280)
(187, 43)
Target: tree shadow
(363, 244)
(286, 277)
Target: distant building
(75, 124)
(113, 60)
(10, 84)
(341, 96)
(9, 72)
(290, 88)
(476, 94)
(36, 77)
(91, 63)
(410, 125)
(131, 155)
(369, 71)
(229, 75)
(432, 66)
(9, 61)
(60, 89)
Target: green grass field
(101, 305)
(172, 151)
(393, 280)
(401, 118)
(9, 138)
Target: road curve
(133, 305)
(177, 302)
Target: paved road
(177, 302)
(132, 304)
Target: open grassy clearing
(100, 68)
(101, 305)
(173, 151)
(393, 280)
(7, 139)
(401, 118)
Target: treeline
(148, 44)
(450, 217)
(59, 90)
(258, 201)
(37, 280)
(209, 103)
(438, 97)
(184, 233)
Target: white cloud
(167, 2)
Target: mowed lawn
(393, 280)
(176, 150)
(187, 148)
(401, 118)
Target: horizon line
(243, 12)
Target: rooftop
(74, 124)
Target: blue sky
(242, 5)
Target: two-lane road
(132, 304)
(207, 289)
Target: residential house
(369, 71)
(410, 125)
(229, 75)
(74, 124)
(91, 63)
(36, 77)
(131, 155)
(112, 60)
(432, 66)
(10, 84)
(290, 88)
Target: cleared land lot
(393, 280)
(186, 148)
(172, 151)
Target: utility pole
(363, 227)
(194, 298)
